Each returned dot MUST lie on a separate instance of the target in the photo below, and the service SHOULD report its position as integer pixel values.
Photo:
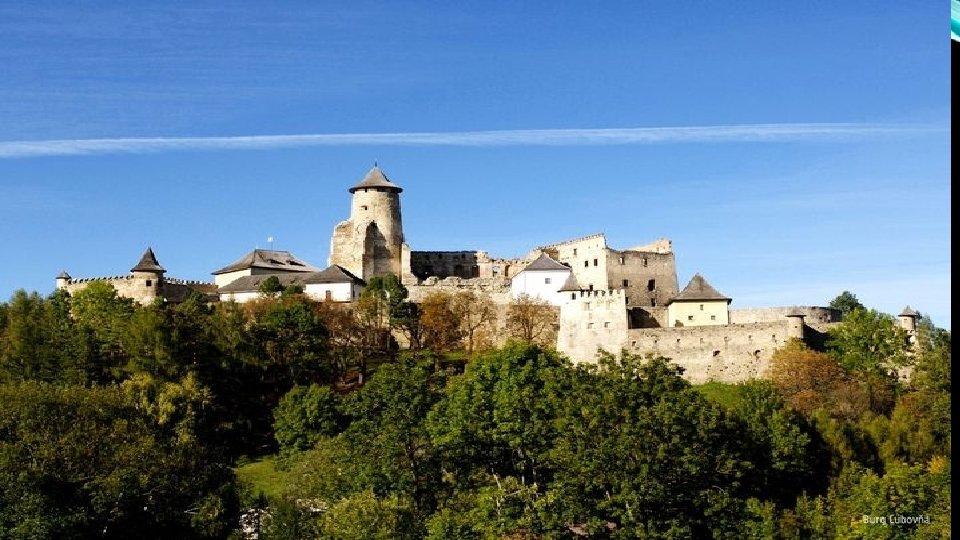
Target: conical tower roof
(909, 312)
(376, 179)
(148, 263)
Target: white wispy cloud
(527, 137)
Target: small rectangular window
(653, 302)
(651, 284)
(589, 325)
(546, 280)
(574, 252)
(606, 325)
(595, 262)
(713, 317)
(586, 264)
(689, 317)
(701, 307)
(621, 260)
(626, 283)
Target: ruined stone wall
(462, 264)
(498, 289)
(649, 278)
(347, 248)
(595, 319)
(812, 314)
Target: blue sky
(790, 150)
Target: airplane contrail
(524, 137)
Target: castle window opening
(701, 307)
(590, 286)
(626, 283)
(328, 295)
(595, 262)
(364, 207)
(546, 281)
(689, 317)
(626, 299)
(573, 296)
(149, 283)
(621, 260)
(574, 252)
(653, 302)
(586, 264)
(713, 317)
(606, 325)
(774, 337)
(651, 284)
(589, 325)
(716, 354)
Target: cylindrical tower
(370, 243)
(148, 275)
(908, 321)
(795, 322)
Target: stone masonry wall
(812, 314)
(463, 264)
(650, 279)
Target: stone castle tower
(371, 242)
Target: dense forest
(305, 419)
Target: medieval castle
(607, 298)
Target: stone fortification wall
(594, 320)
(812, 314)
(463, 264)
(729, 353)
(649, 278)
(144, 291)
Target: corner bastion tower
(371, 243)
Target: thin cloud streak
(532, 137)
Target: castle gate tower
(371, 242)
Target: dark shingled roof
(63, 275)
(545, 262)
(699, 289)
(908, 312)
(376, 179)
(332, 274)
(148, 263)
(571, 284)
(281, 261)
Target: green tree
(270, 286)
(846, 302)
(104, 316)
(647, 456)
(98, 462)
(869, 341)
(304, 415)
